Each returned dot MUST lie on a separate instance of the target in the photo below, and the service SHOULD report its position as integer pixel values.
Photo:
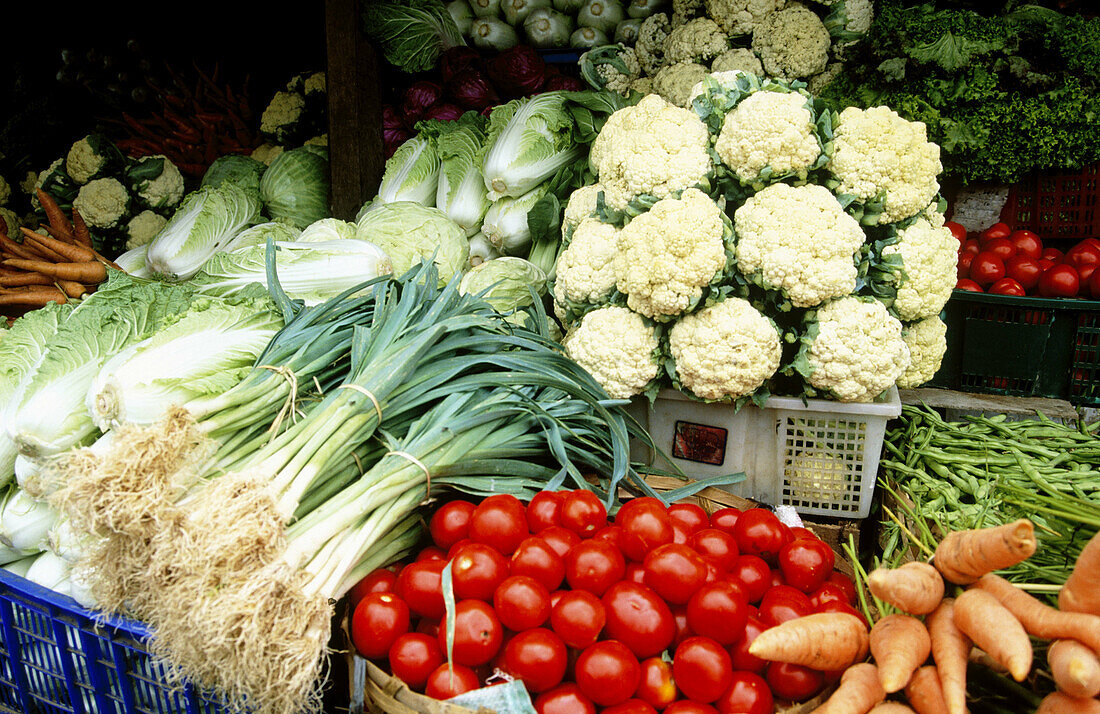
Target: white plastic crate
(820, 456)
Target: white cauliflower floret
(649, 48)
(612, 67)
(266, 152)
(799, 240)
(102, 202)
(739, 59)
(858, 352)
(726, 350)
(792, 43)
(617, 347)
(11, 221)
(5, 192)
(740, 17)
(580, 205)
(142, 228)
(685, 10)
(282, 112)
(642, 85)
(698, 40)
(84, 160)
(319, 140)
(653, 148)
(818, 82)
(877, 153)
(585, 270)
(676, 81)
(929, 255)
(314, 83)
(667, 255)
(927, 341)
(41, 180)
(769, 129)
(164, 191)
(726, 80)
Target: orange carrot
(950, 649)
(858, 692)
(992, 627)
(53, 212)
(924, 693)
(10, 247)
(68, 251)
(30, 242)
(91, 272)
(34, 297)
(1059, 703)
(891, 708)
(825, 641)
(1075, 668)
(1081, 593)
(964, 556)
(24, 278)
(899, 645)
(915, 588)
(1040, 619)
(80, 229)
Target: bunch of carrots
(55, 265)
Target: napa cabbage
(528, 141)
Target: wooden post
(356, 156)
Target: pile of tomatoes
(653, 610)
(1002, 261)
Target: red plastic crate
(1056, 204)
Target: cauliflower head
(739, 59)
(314, 84)
(282, 112)
(611, 67)
(927, 342)
(799, 240)
(877, 155)
(666, 256)
(166, 189)
(585, 273)
(675, 82)
(142, 228)
(725, 351)
(86, 159)
(102, 202)
(772, 130)
(652, 148)
(929, 255)
(697, 40)
(11, 221)
(266, 152)
(580, 205)
(740, 17)
(642, 85)
(857, 352)
(792, 43)
(618, 348)
(5, 192)
(649, 47)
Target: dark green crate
(1022, 346)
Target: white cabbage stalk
(411, 174)
(49, 415)
(68, 542)
(20, 565)
(49, 571)
(461, 192)
(528, 141)
(328, 229)
(80, 588)
(547, 28)
(491, 33)
(485, 8)
(481, 250)
(133, 262)
(505, 223)
(516, 11)
(258, 234)
(27, 471)
(25, 523)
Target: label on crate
(700, 443)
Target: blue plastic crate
(56, 657)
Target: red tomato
(690, 516)
(971, 245)
(560, 539)
(1060, 281)
(535, 558)
(413, 656)
(783, 603)
(500, 521)
(686, 706)
(680, 625)
(380, 580)
(803, 533)
(476, 571)
(536, 656)
(583, 512)
(806, 563)
(594, 565)
(674, 572)
(1083, 253)
(453, 550)
(1007, 286)
(724, 519)
(829, 592)
(521, 602)
(717, 545)
(759, 532)
(714, 573)
(607, 672)
(420, 585)
(748, 693)
(794, 682)
(969, 286)
(832, 606)
(612, 534)
(378, 620)
(638, 618)
(962, 269)
(450, 523)
(432, 552)
(1085, 272)
(544, 510)
(701, 668)
(1027, 243)
(630, 706)
(1003, 248)
(1025, 270)
(987, 268)
(1052, 254)
(844, 583)
(478, 633)
(957, 229)
(427, 627)
(739, 652)
(719, 611)
(997, 230)
(777, 578)
(578, 617)
(635, 573)
(645, 525)
(657, 687)
(680, 535)
(752, 573)
(566, 698)
(449, 680)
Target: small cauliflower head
(792, 43)
(697, 40)
(618, 348)
(725, 351)
(281, 114)
(267, 152)
(651, 148)
(102, 202)
(649, 47)
(858, 352)
(927, 342)
(84, 160)
(164, 191)
(739, 59)
(929, 256)
(740, 17)
(581, 205)
(585, 273)
(5, 192)
(11, 221)
(667, 255)
(314, 84)
(142, 228)
(615, 67)
(769, 130)
(675, 82)
(877, 155)
(642, 85)
(798, 240)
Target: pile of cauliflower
(757, 243)
(780, 39)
